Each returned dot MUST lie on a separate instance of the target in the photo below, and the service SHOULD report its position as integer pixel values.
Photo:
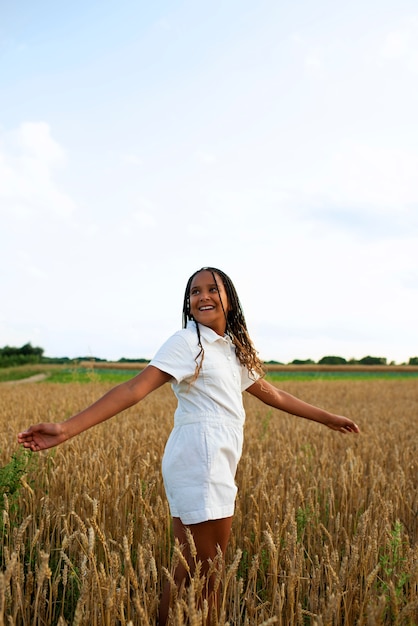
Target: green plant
(265, 424)
(11, 474)
(304, 516)
(393, 564)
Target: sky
(278, 141)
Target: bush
(300, 362)
(332, 360)
(11, 356)
(372, 360)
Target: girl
(209, 363)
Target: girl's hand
(42, 436)
(341, 424)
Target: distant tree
(301, 362)
(9, 351)
(11, 356)
(372, 360)
(273, 363)
(332, 360)
(413, 360)
(29, 350)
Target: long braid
(236, 326)
(188, 316)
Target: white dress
(205, 445)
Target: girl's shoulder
(187, 335)
(181, 340)
(176, 355)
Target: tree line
(28, 354)
(10, 356)
(339, 360)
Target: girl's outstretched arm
(271, 395)
(47, 435)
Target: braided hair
(236, 326)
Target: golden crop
(325, 531)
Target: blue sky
(277, 141)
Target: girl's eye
(195, 292)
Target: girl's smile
(208, 301)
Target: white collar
(207, 333)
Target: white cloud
(396, 44)
(128, 158)
(296, 38)
(401, 44)
(374, 178)
(28, 158)
(205, 157)
(34, 139)
(313, 61)
(144, 219)
(25, 265)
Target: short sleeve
(248, 378)
(175, 358)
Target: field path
(31, 379)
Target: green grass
(10, 374)
(89, 375)
(75, 374)
(65, 374)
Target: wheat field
(325, 531)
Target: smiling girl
(209, 363)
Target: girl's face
(205, 301)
